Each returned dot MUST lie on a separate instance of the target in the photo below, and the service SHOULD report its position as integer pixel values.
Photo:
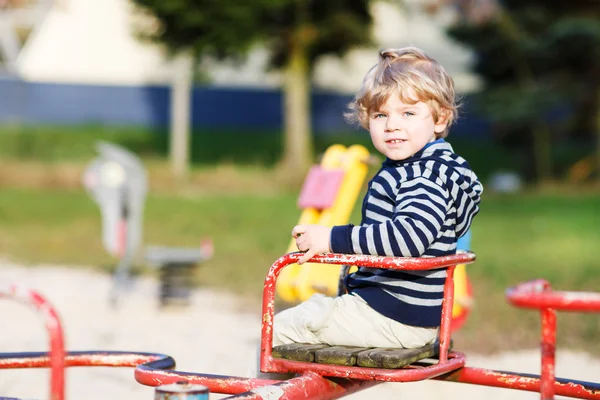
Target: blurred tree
(191, 29)
(302, 32)
(538, 58)
(296, 31)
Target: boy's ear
(442, 122)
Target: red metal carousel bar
(519, 381)
(307, 386)
(446, 364)
(151, 369)
(155, 369)
(55, 333)
(538, 294)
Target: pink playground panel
(320, 188)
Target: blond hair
(397, 71)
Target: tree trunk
(542, 143)
(297, 151)
(181, 92)
(542, 153)
(598, 136)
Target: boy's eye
(408, 113)
(378, 115)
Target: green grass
(64, 227)
(519, 238)
(76, 143)
(235, 197)
(208, 147)
(259, 147)
(531, 235)
(553, 236)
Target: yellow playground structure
(327, 198)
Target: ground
(218, 334)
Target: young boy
(420, 202)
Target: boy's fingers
(298, 230)
(307, 256)
(301, 245)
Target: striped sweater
(417, 207)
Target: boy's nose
(393, 124)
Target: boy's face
(399, 130)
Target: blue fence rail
(148, 106)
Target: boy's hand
(312, 239)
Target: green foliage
(296, 33)
(540, 63)
(326, 27)
(207, 27)
(229, 28)
(537, 53)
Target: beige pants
(346, 321)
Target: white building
(93, 41)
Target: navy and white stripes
(417, 207)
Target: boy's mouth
(395, 141)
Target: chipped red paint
(150, 369)
(307, 386)
(548, 350)
(408, 374)
(55, 333)
(319, 381)
(538, 294)
(154, 370)
(526, 382)
(148, 375)
(445, 365)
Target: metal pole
(548, 349)
(55, 332)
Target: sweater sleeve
(341, 239)
(421, 208)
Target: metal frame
(538, 294)
(447, 362)
(323, 381)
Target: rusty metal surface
(527, 382)
(548, 350)
(321, 381)
(307, 386)
(55, 333)
(407, 374)
(271, 364)
(151, 369)
(537, 294)
(87, 359)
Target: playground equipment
(327, 198)
(463, 292)
(117, 182)
(359, 369)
